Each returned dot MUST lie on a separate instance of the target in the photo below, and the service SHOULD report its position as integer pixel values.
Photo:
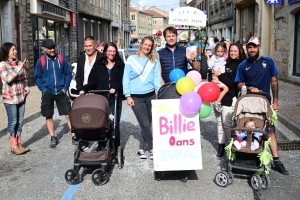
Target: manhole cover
(289, 145)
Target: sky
(163, 5)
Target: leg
(221, 136)
(21, 111)
(64, 107)
(11, 111)
(50, 125)
(227, 122)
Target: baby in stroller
(241, 137)
(250, 161)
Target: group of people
(138, 79)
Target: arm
(92, 80)
(157, 76)
(8, 74)
(274, 87)
(38, 75)
(126, 80)
(191, 57)
(79, 76)
(118, 79)
(68, 74)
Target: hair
(170, 29)
(104, 57)
(249, 120)
(152, 55)
(89, 38)
(4, 52)
(242, 55)
(216, 40)
(250, 34)
(220, 44)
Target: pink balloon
(190, 102)
(195, 76)
(198, 86)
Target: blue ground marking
(70, 192)
(73, 188)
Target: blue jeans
(15, 116)
(142, 112)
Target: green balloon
(205, 110)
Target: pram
(256, 107)
(91, 121)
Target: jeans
(142, 110)
(15, 116)
(112, 111)
(224, 124)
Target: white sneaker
(151, 154)
(254, 145)
(141, 153)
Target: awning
(134, 37)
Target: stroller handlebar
(101, 92)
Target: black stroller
(91, 121)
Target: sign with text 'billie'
(274, 2)
(176, 137)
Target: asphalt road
(39, 174)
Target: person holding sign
(174, 56)
(140, 80)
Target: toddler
(218, 62)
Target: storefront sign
(133, 28)
(73, 19)
(274, 2)
(187, 16)
(52, 10)
(293, 1)
(176, 137)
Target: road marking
(73, 188)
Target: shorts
(62, 102)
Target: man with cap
(258, 73)
(52, 75)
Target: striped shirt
(14, 82)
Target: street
(39, 174)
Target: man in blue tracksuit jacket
(175, 56)
(52, 75)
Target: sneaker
(141, 153)
(278, 165)
(218, 106)
(151, 154)
(74, 140)
(53, 142)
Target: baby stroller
(90, 121)
(256, 107)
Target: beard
(255, 57)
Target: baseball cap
(254, 40)
(48, 43)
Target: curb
(289, 123)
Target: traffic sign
(274, 2)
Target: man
(257, 73)
(174, 56)
(249, 36)
(53, 75)
(85, 62)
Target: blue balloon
(176, 74)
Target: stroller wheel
(265, 181)
(120, 157)
(157, 175)
(71, 177)
(230, 177)
(256, 182)
(222, 179)
(99, 177)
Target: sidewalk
(289, 102)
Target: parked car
(134, 46)
(131, 51)
(73, 92)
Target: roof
(155, 8)
(154, 14)
(140, 11)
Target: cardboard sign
(176, 137)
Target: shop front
(52, 21)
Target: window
(91, 1)
(133, 17)
(154, 22)
(296, 68)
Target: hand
(191, 55)
(253, 89)
(64, 91)
(130, 101)
(275, 106)
(24, 62)
(81, 92)
(112, 91)
(162, 82)
(26, 92)
(217, 72)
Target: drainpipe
(17, 22)
(77, 19)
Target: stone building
(287, 39)
(141, 24)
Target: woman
(14, 90)
(224, 119)
(141, 79)
(107, 74)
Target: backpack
(43, 60)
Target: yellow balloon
(184, 85)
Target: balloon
(184, 85)
(198, 86)
(176, 74)
(190, 102)
(195, 76)
(209, 92)
(205, 110)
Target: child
(218, 62)
(241, 137)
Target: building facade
(141, 24)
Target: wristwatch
(249, 88)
